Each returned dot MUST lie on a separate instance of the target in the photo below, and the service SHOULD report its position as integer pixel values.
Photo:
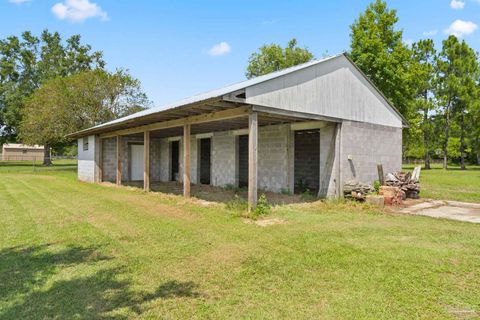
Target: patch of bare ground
(218, 194)
(463, 313)
(266, 222)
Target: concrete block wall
(273, 157)
(368, 145)
(164, 160)
(223, 159)
(155, 167)
(109, 158)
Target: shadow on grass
(28, 289)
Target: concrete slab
(454, 210)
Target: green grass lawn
(76, 250)
(451, 184)
(31, 166)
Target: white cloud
(78, 10)
(460, 28)
(18, 1)
(430, 33)
(220, 49)
(457, 4)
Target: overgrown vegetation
(262, 208)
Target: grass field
(30, 166)
(451, 184)
(85, 251)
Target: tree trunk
(462, 142)
(445, 143)
(47, 161)
(425, 136)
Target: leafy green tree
(64, 105)
(424, 56)
(273, 57)
(379, 51)
(457, 84)
(28, 61)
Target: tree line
(50, 87)
(436, 89)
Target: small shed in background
(22, 152)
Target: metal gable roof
(217, 93)
(211, 94)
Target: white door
(137, 164)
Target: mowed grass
(76, 250)
(451, 184)
(36, 166)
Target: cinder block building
(313, 126)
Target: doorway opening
(174, 160)
(242, 161)
(307, 161)
(136, 162)
(205, 160)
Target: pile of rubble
(405, 181)
(357, 190)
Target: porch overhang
(229, 112)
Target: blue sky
(180, 48)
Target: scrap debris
(357, 190)
(407, 182)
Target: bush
(376, 186)
(263, 207)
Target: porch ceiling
(222, 125)
(194, 109)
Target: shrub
(376, 186)
(263, 207)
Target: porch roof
(229, 97)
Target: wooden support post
(146, 160)
(119, 159)
(186, 160)
(252, 160)
(381, 177)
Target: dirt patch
(265, 222)
(217, 194)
